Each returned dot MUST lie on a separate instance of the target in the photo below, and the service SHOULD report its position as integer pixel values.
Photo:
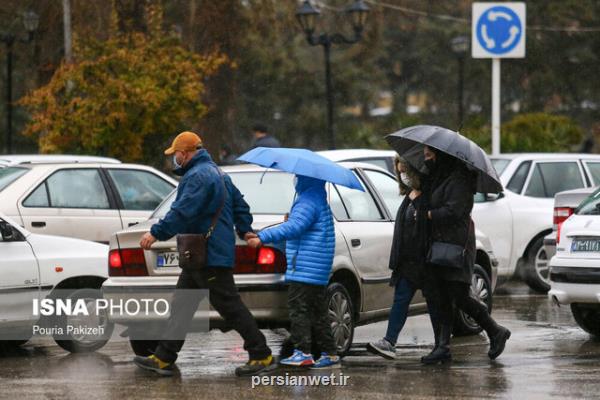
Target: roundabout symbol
(499, 30)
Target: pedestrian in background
(262, 138)
(407, 257)
(310, 248)
(449, 212)
(206, 201)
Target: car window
(549, 178)
(10, 174)
(388, 189)
(39, 197)
(337, 206)
(278, 186)
(500, 164)
(71, 188)
(517, 181)
(360, 205)
(378, 162)
(591, 205)
(593, 167)
(139, 190)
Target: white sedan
(575, 269)
(35, 267)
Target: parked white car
(358, 291)
(516, 221)
(575, 269)
(77, 196)
(36, 267)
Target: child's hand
(250, 235)
(254, 242)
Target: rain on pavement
(547, 356)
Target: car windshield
(591, 205)
(249, 184)
(10, 174)
(500, 164)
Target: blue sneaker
(327, 362)
(298, 359)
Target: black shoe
(441, 352)
(498, 342)
(154, 364)
(438, 355)
(256, 367)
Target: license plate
(587, 245)
(168, 259)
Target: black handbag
(449, 254)
(193, 247)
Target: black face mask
(430, 164)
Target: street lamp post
(460, 46)
(307, 16)
(30, 22)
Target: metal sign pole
(495, 106)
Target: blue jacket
(199, 196)
(309, 233)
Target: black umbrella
(409, 143)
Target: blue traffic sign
(499, 30)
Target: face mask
(406, 179)
(295, 181)
(430, 164)
(175, 163)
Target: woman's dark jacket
(409, 245)
(450, 204)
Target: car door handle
(132, 224)
(355, 242)
(38, 224)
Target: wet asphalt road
(548, 356)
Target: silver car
(358, 291)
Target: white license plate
(167, 259)
(585, 245)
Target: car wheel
(587, 317)
(143, 348)
(537, 267)
(341, 315)
(84, 342)
(481, 289)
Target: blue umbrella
(302, 162)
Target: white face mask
(175, 163)
(405, 179)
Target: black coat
(450, 204)
(409, 245)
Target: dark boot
(497, 334)
(441, 352)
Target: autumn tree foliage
(123, 97)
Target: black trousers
(309, 318)
(225, 299)
(451, 294)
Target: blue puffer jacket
(199, 196)
(309, 233)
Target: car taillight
(127, 262)
(265, 260)
(558, 233)
(561, 214)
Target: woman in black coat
(450, 190)
(407, 257)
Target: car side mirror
(7, 231)
(493, 196)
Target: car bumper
(574, 280)
(264, 295)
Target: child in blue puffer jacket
(310, 248)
